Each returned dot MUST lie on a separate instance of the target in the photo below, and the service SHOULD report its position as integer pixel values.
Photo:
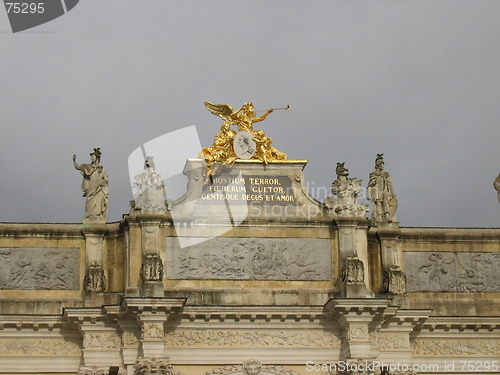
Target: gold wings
(224, 111)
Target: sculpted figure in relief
(94, 187)
(149, 189)
(381, 193)
(496, 184)
(252, 367)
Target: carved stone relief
(251, 339)
(251, 258)
(452, 272)
(152, 268)
(93, 370)
(393, 341)
(251, 367)
(101, 340)
(353, 270)
(464, 348)
(152, 331)
(394, 280)
(40, 348)
(154, 367)
(95, 280)
(39, 268)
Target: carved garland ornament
(459, 348)
(251, 339)
(39, 348)
(251, 367)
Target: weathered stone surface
(452, 271)
(39, 268)
(251, 258)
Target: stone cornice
(31, 322)
(253, 313)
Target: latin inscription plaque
(249, 189)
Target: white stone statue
(95, 188)
(347, 191)
(381, 193)
(496, 185)
(149, 189)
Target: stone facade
(249, 275)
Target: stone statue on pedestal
(496, 185)
(381, 193)
(95, 188)
(347, 191)
(149, 189)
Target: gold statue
(247, 143)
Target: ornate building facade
(247, 273)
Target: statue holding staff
(94, 187)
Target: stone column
(95, 279)
(394, 277)
(353, 258)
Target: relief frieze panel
(39, 348)
(251, 259)
(251, 339)
(452, 272)
(464, 348)
(39, 268)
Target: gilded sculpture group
(149, 189)
(222, 153)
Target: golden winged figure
(222, 153)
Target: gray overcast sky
(416, 80)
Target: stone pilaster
(357, 319)
(101, 340)
(152, 264)
(95, 278)
(353, 258)
(151, 315)
(394, 277)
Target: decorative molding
(48, 268)
(393, 341)
(95, 280)
(251, 339)
(153, 366)
(93, 370)
(353, 270)
(101, 340)
(395, 280)
(39, 348)
(130, 339)
(247, 258)
(152, 331)
(152, 268)
(465, 348)
(251, 367)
